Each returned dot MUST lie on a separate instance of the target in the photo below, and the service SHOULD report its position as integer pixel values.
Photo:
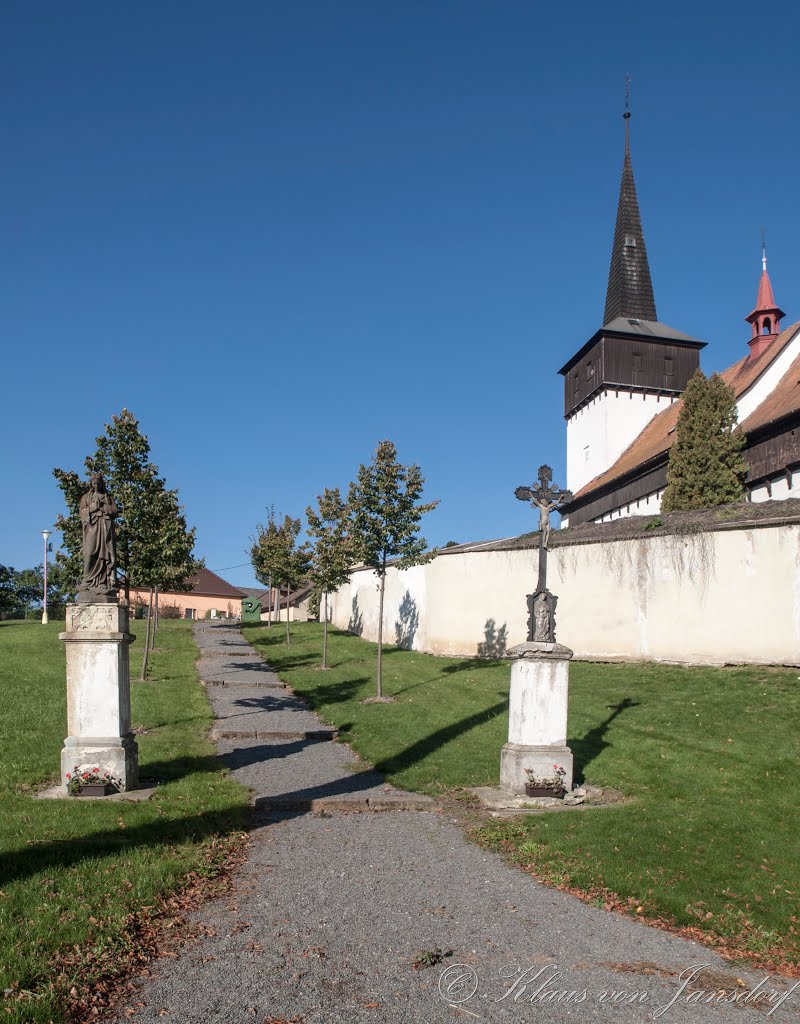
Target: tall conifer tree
(706, 467)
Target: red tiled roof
(658, 435)
(209, 584)
(785, 399)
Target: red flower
(68, 775)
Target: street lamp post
(45, 535)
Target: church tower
(634, 366)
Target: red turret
(766, 317)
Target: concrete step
(248, 684)
(271, 735)
(385, 802)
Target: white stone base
(118, 755)
(516, 759)
(99, 693)
(537, 720)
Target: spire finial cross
(627, 114)
(764, 249)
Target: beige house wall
(706, 598)
(232, 607)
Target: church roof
(630, 289)
(658, 435)
(782, 401)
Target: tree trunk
(155, 615)
(325, 632)
(288, 635)
(143, 674)
(269, 602)
(380, 633)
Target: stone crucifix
(542, 604)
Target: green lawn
(709, 756)
(72, 872)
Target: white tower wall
(600, 431)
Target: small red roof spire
(766, 316)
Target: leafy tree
(385, 522)
(29, 587)
(8, 593)
(332, 556)
(154, 544)
(275, 554)
(706, 467)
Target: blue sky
(279, 233)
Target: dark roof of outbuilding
(208, 584)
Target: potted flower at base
(82, 781)
(550, 785)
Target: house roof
(258, 593)
(209, 584)
(658, 435)
(297, 595)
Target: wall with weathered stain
(732, 595)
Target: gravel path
(337, 915)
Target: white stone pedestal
(99, 693)
(537, 721)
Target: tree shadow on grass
(334, 693)
(424, 747)
(593, 743)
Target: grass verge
(708, 844)
(80, 881)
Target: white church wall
(649, 505)
(599, 432)
(706, 598)
(763, 387)
(780, 487)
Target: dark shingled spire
(630, 290)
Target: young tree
(332, 555)
(275, 553)
(706, 467)
(385, 522)
(154, 543)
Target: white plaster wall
(730, 596)
(650, 504)
(781, 488)
(599, 433)
(763, 387)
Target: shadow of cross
(545, 497)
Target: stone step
(385, 802)
(272, 736)
(248, 684)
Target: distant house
(209, 594)
(296, 605)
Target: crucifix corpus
(541, 603)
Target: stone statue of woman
(97, 511)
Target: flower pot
(96, 789)
(532, 789)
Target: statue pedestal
(99, 694)
(537, 720)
